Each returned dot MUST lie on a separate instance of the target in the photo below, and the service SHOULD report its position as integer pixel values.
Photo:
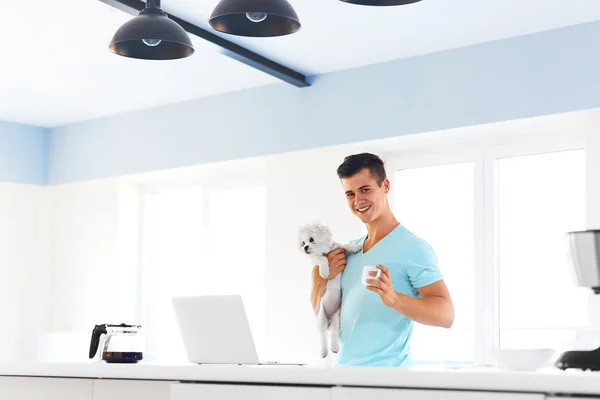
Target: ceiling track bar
(228, 48)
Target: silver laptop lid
(215, 329)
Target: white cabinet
(188, 391)
(347, 393)
(45, 388)
(107, 389)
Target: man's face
(365, 198)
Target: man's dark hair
(356, 162)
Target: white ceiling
(337, 35)
(58, 69)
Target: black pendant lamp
(255, 18)
(381, 2)
(152, 36)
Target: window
(540, 197)
(237, 221)
(436, 203)
(496, 217)
(201, 241)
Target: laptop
(215, 330)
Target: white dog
(316, 240)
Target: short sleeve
(423, 267)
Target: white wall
(95, 232)
(68, 259)
(300, 186)
(26, 279)
(70, 253)
(94, 235)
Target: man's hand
(434, 308)
(383, 286)
(337, 261)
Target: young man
(377, 319)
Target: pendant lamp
(152, 36)
(255, 18)
(381, 2)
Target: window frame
(484, 154)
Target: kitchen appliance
(584, 265)
(117, 343)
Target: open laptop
(215, 330)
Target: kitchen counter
(549, 382)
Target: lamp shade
(381, 2)
(152, 36)
(256, 18)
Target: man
(377, 319)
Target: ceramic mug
(365, 274)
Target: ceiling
(59, 69)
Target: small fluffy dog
(316, 240)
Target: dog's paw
(353, 248)
(334, 348)
(323, 352)
(324, 271)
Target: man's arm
(336, 259)
(317, 289)
(434, 308)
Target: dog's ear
(327, 230)
(301, 229)
(323, 231)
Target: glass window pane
(201, 243)
(540, 197)
(437, 204)
(237, 238)
(174, 248)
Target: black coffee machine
(584, 264)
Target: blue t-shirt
(371, 333)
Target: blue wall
(23, 153)
(545, 73)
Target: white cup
(365, 274)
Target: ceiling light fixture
(381, 2)
(255, 18)
(152, 36)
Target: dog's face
(315, 239)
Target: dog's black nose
(306, 249)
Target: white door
(45, 388)
(416, 394)
(186, 391)
(130, 389)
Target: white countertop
(552, 381)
